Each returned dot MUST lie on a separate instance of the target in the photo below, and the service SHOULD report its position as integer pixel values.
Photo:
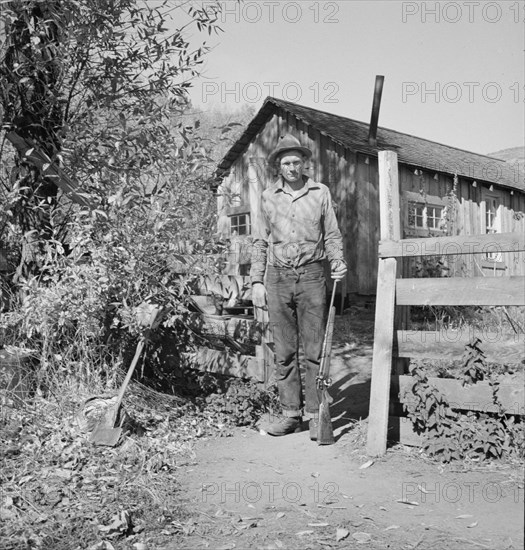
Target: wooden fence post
(389, 203)
(390, 229)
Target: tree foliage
(99, 87)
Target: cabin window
(425, 216)
(491, 214)
(492, 224)
(240, 225)
(244, 270)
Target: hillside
(511, 155)
(515, 156)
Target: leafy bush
(451, 435)
(241, 403)
(230, 401)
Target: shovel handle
(140, 346)
(138, 352)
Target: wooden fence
(391, 346)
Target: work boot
(313, 425)
(283, 426)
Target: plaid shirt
(295, 229)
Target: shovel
(105, 433)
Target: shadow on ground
(351, 367)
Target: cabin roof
(353, 135)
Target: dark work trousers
(297, 306)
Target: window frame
(423, 203)
(492, 258)
(237, 213)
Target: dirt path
(254, 491)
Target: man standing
(298, 231)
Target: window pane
(420, 215)
(240, 224)
(433, 216)
(415, 214)
(490, 214)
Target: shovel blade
(108, 437)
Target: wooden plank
(256, 188)
(475, 211)
(483, 216)
(223, 204)
(455, 245)
(351, 221)
(316, 168)
(450, 344)
(342, 214)
(382, 357)
(506, 227)
(224, 325)
(401, 430)
(324, 156)
(470, 208)
(364, 229)
(374, 216)
(226, 363)
(476, 397)
(390, 226)
(459, 291)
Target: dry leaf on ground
(361, 537)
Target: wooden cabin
(444, 190)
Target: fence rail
(393, 293)
(459, 291)
(457, 245)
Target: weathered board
(459, 291)
(390, 228)
(457, 245)
(382, 357)
(475, 397)
(227, 363)
(401, 429)
(450, 344)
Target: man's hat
(288, 143)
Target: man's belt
(301, 268)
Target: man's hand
(339, 270)
(259, 295)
